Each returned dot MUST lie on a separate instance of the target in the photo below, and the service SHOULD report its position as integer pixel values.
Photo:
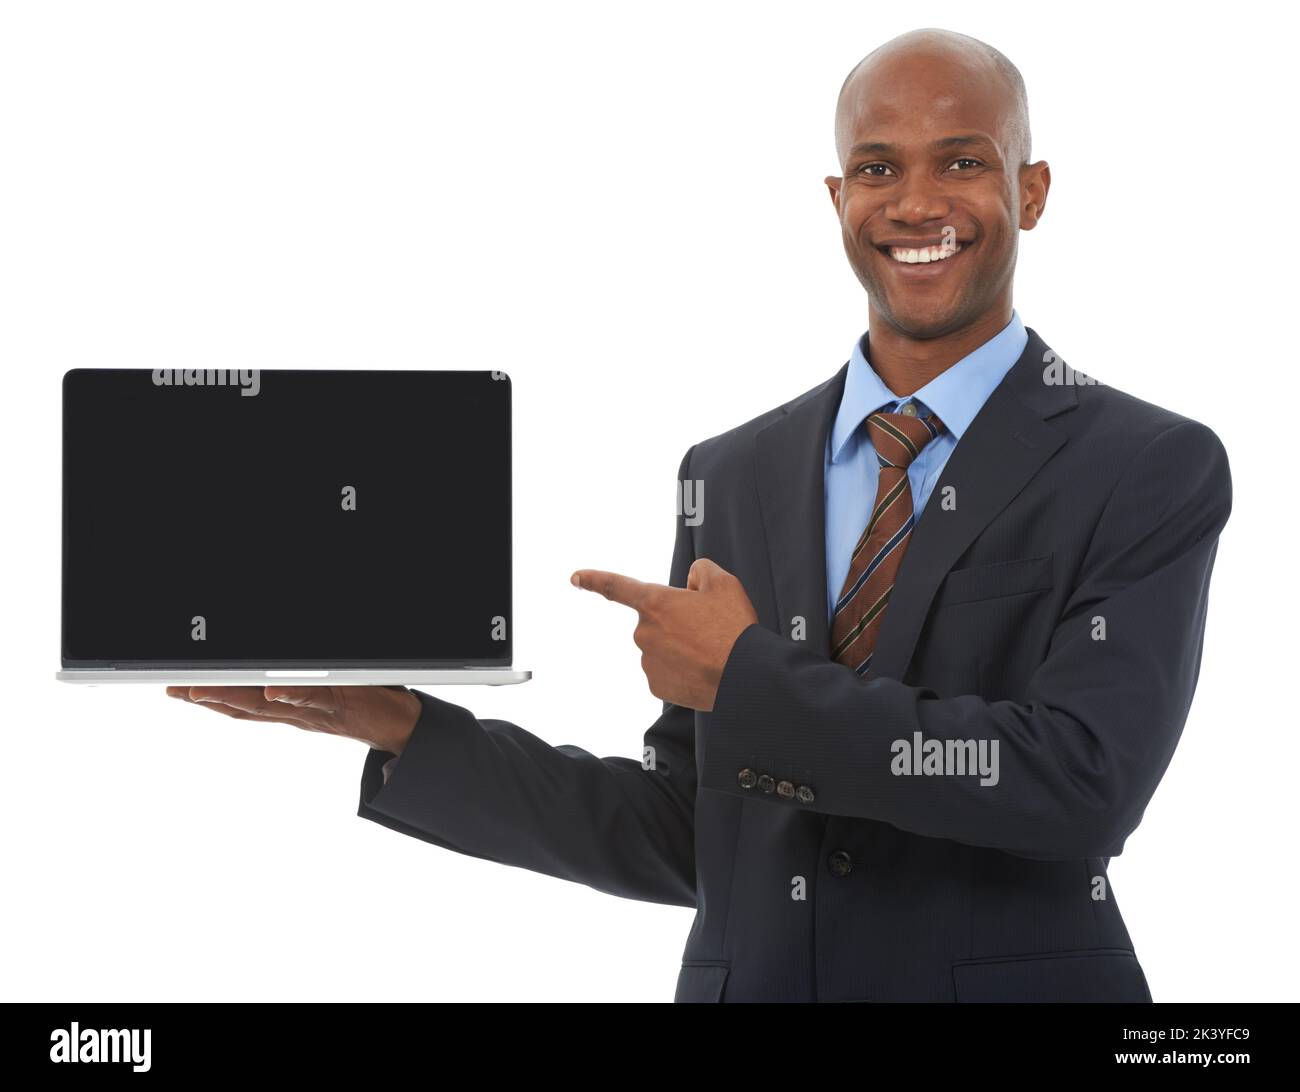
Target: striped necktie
(898, 439)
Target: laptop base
(463, 676)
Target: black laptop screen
(308, 518)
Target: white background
(622, 205)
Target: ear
(1035, 181)
(833, 183)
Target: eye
(869, 169)
(966, 159)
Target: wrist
(406, 712)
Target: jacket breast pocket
(1092, 975)
(701, 980)
(996, 580)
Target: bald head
(968, 63)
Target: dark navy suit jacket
(1053, 599)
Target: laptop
(246, 527)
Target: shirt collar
(956, 394)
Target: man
(926, 656)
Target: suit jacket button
(748, 778)
(804, 794)
(785, 789)
(767, 783)
(840, 863)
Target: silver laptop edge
(480, 676)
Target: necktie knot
(899, 437)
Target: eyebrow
(876, 147)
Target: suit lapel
(1003, 448)
(790, 459)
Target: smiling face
(934, 190)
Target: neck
(907, 364)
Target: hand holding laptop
(382, 716)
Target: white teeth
(913, 255)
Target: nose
(919, 199)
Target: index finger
(614, 586)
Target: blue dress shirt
(852, 471)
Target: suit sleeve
(1079, 758)
(489, 789)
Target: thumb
(319, 698)
(703, 573)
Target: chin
(921, 324)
